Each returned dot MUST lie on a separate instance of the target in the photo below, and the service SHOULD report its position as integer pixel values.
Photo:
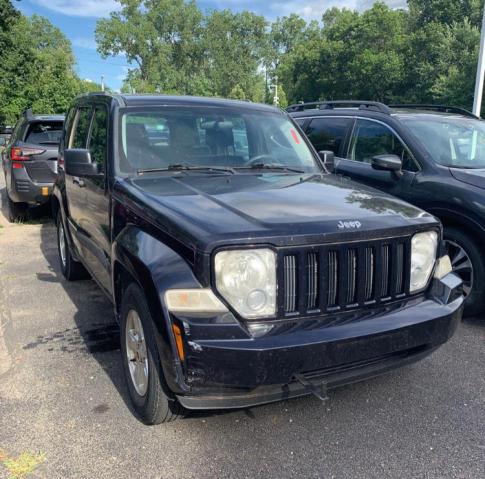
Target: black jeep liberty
(241, 272)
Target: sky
(77, 19)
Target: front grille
(330, 278)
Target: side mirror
(328, 159)
(390, 163)
(77, 162)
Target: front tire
(141, 361)
(468, 263)
(71, 270)
(17, 212)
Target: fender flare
(156, 268)
(452, 217)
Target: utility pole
(102, 82)
(276, 100)
(477, 101)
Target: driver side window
(370, 139)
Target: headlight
(423, 257)
(247, 281)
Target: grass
(23, 465)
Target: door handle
(77, 181)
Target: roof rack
(331, 105)
(437, 108)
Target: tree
(445, 11)
(355, 55)
(163, 39)
(237, 93)
(177, 49)
(36, 66)
(234, 44)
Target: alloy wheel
(461, 264)
(136, 352)
(62, 243)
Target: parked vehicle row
(29, 162)
(431, 156)
(241, 271)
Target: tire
(475, 280)
(149, 396)
(71, 270)
(17, 212)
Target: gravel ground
(63, 400)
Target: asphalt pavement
(64, 411)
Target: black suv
(241, 272)
(30, 161)
(434, 158)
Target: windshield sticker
(295, 136)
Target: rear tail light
(24, 154)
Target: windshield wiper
(269, 166)
(184, 167)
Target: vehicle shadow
(96, 331)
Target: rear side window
(44, 133)
(99, 136)
(328, 133)
(82, 122)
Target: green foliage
(178, 49)
(282, 100)
(445, 11)
(237, 93)
(36, 66)
(427, 54)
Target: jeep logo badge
(349, 225)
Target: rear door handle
(77, 181)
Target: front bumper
(227, 368)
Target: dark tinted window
(44, 133)
(370, 139)
(99, 136)
(79, 137)
(328, 133)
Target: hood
(472, 177)
(281, 209)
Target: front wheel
(467, 263)
(141, 362)
(71, 269)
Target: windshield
(454, 142)
(209, 137)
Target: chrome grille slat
(369, 273)
(312, 279)
(351, 275)
(399, 268)
(332, 278)
(290, 283)
(385, 271)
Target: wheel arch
(456, 219)
(139, 257)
